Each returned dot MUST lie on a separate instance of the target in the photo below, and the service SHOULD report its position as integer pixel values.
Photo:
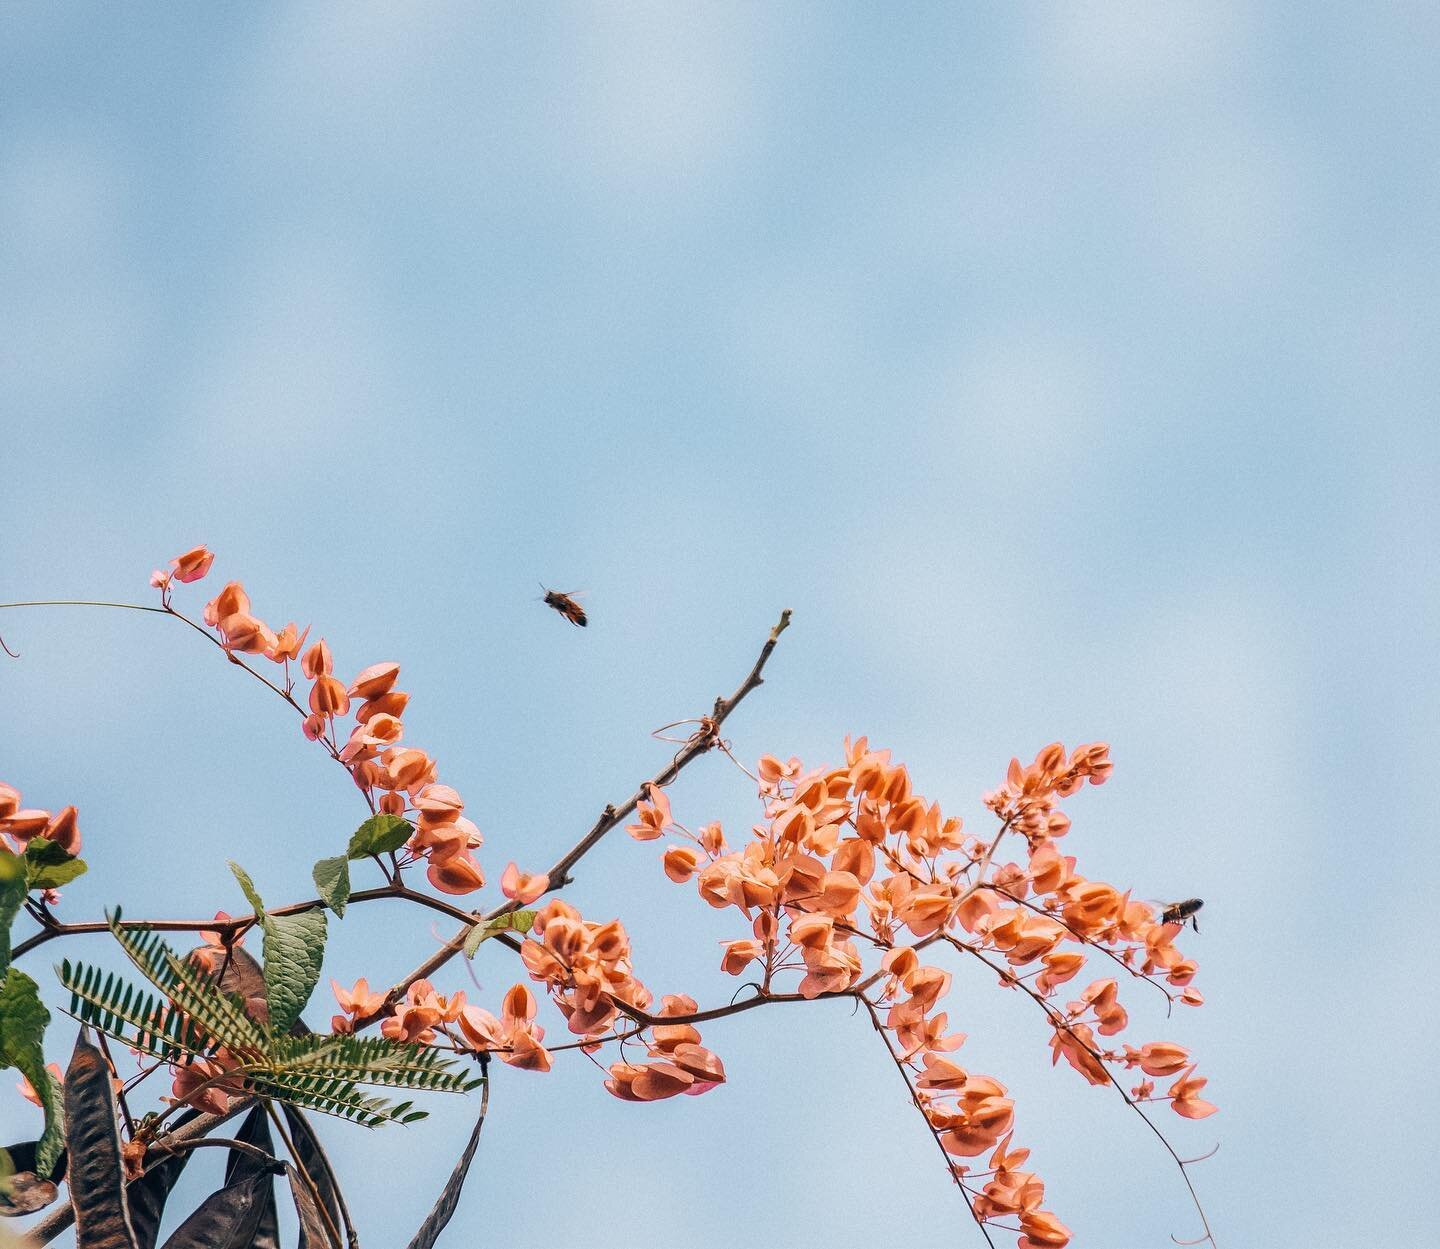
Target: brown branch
(609, 818)
(167, 1145)
(238, 924)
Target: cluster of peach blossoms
(845, 884)
(396, 779)
(850, 861)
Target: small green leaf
(42, 852)
(48, 866)
(380, 834)
(22, 1032)
(332, 882)
(248, 887)
(511, 921)
(59, 874)
(12, 898)
(294, 950)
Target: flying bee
(1183, 912)
(566, 605)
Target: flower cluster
(515, 1036)
(850, 860)
(851, 885)
(396, 778)
(681, 1064)
(586, 967)
(420, 1014)
(20, 825)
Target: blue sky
(1070, 372)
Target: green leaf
(12, 898)
(332, 882)
(248, 887)
(294, 950)
(48, 866)
(41, 852)
(380, 834)
(511, 921)
(22, 1032)
(59, 875)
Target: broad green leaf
(92, 1137)
(294, 950)
(380, 834)
(332, 882)
(42, 852)
(248, 887)
(511, 921)
(59, 875)
(48, 866)
(22, 1032)
(12, 898)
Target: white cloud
(1027, 394)
(663, 95)
(1106, 56)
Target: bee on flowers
(566, 605)
(1182, 912)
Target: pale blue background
(1070, 370)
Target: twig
(167, 1145)
(239, 923)
(1059, 1021)
(609, 818)
(920, 1106)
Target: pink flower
(654, 816)
(514, 1036)
(193, 564)
(356, 1002)
(27, 1090)
(522, 887)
